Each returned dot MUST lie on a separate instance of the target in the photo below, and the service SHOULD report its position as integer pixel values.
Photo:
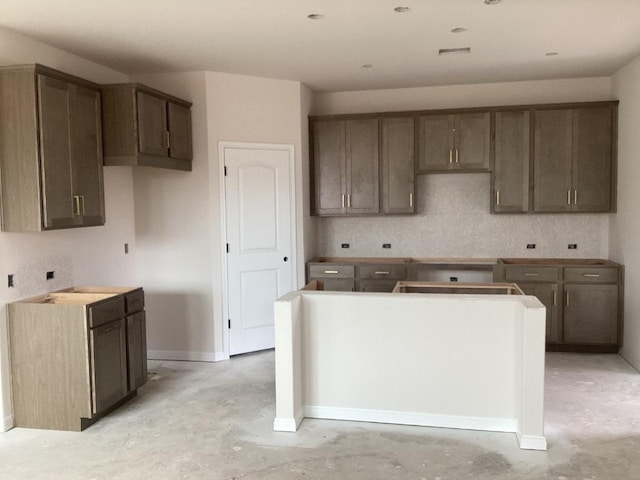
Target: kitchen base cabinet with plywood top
(76, 355)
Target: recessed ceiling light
(401, 9)
(551, 54)
(315, 16)
(448, 51)
(459, 30)
(367, 65)
(492, 2)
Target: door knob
(286, 259)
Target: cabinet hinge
(229, 320)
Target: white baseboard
(412, 418)
(288, 424)
(532, 442)
(7, 423)
(186, 356)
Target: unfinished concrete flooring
(213, 421)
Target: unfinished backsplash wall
(453, 220)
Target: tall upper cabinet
(50, 150)
(143, 126)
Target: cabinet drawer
(134, 301)
(376, 285)
(590, 275)
(331, 271)
(382, 270)
(106, 311)
(522, 273)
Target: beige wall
(85, 256)
(625, 225)
(453, 218)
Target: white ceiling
(274, 38)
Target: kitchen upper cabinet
(574, 160)
(50, 150)
(398, 165)
(345, 162)
(457, 142)
(146, 127)
(510, 172)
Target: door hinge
(227, 248)
(229, 320)
(225, 170)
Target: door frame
(222, 145)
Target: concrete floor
(213, 421)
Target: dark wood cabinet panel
(362, 166)
(329, 164)
(146, 127)
(398, 165)
(109, 365)
(458, 142)
(50, 150)
(590, 314)
(549, 296)
(136, 350)
(510, 173)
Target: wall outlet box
(531, 245)
(50, 275)
(572, 246)
(386, 245)
(10, 280)
(345, 245)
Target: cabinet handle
(348, 200)
(411, 199)
(497, 197)
(567, 303)
(568, 197)
(593, 275)
(575, 197)
(76, 204)
(331, 272)
(381, 273)
(450, 156)
(457, 156)
(531, 274)
(554, 298)
(342, 196)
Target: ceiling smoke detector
(449, 51)
(401, 9)
(552, 54)
(458, 30)
(315, 16)
(492, 2)
(367, 65)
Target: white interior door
(259, 211)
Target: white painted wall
(453, 216)
(625, 225)
(85, 256)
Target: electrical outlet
(453, 279)
(386, 245)
(50, 275)
(345, 245)
(531, 245)
(10, 281)
(572, 246)
(126, 248)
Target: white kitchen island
(459, 361)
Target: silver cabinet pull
(531, 274)
(331, 272)
(411, 199)
(497, 197)
(450, 156)
(568, 197)
(342, 198)
(593, 275)
(381, 273)
(554, 298)
(575, 197)
(457, 156)
(348, 200)
(76, 204)
(567, 299)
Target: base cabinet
(547, 293)
(588, 314)
(75, 355)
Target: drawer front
(106, 311)
(134, 301)
(325, 270)
(591, 275)
(523, 273)
(383, 271)
(376, 285)
(339, 285)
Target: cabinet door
(338, 284)
(547, 293)
(152, 125)
(55, 153)
(109, 365)
(86, 156)
(592, 159)
(179, 119)
(472, 145)
(398, 165)
(136, 350)
(329, 166)
(362, 166)
(511, 162)
(552, 161)
(435, 143)
(591, 314)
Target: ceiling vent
(450, 51)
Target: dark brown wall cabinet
(457, 142)
(574, 159)
(354, 160)
(50, 150)
(146, 127)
